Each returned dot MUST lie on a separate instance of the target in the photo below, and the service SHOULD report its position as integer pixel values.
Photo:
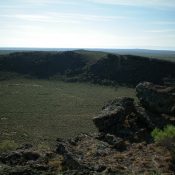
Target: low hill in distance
(82, 65)
(156, 54)
(168, 55)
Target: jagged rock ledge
(156, 98)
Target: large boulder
(156, 98)
(122, 118)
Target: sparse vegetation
(165, 138)
(167, 133)
(32, 110)
(7, 145)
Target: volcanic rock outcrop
(125, 118)
(156, 98)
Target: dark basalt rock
(126, 119)
(85, 156)
(19, 157)
(156, 98)
(74, 154)
(113, 113)
(123, 118)
(93, 155)
(115, 142)
(96, 154)
(25, 161)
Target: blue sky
(88, 23)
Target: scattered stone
(94, 155)
(19, 157)
(116, 142)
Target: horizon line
(83, 48)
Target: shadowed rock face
(130, 69)
(124, 119)
(112, 113)
(156, 98)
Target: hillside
(82, 65)
(156, 54)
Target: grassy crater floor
(39, 110)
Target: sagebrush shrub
(166, 138)
(167, 133)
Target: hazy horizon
(77, 48)
(88, 24)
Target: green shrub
(167, 133)
(7, 145)
(166, 138)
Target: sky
(142, 24)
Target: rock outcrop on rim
(122, 146)
(122, 118)
(156, 98)
(129, 120)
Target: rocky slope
(122, 146)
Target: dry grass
(39, 110)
